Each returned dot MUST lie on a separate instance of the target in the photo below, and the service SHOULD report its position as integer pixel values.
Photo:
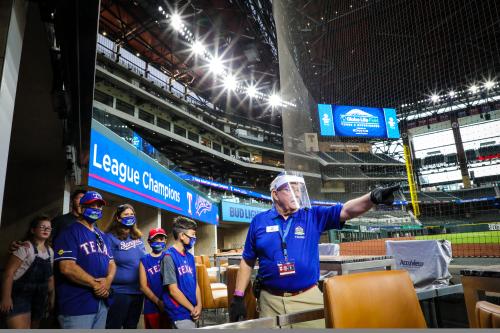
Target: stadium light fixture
(251, 91)
(452, 93)
(160, 9)
(489, 84)
(230, 82)
(216, 66)
(198, 48)
(274, 100)
(176, 22)
(434, 98)
(474, 89)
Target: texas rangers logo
(202, 205)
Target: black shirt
(61, 222)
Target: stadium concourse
(188, 110)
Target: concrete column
(12, 24)
(462, 159)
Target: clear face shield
(291, 191)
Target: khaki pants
(271, 306)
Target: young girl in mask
(128, 249)
(181, 296)
(151, 283)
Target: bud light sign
(358, 121)
(233, 212)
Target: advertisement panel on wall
(358, 121)
(118, 167)
(235, 212)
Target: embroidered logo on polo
(299, 232)
(61, 252)
(130, 244)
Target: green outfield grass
(491, 237)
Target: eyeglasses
(45, 228)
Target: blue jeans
(124, 310)
(90, 321)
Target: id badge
(286, 267)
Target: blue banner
(326, 119)
(358, 121)
(391, 123)
(117, 167)
(221, 186)
(233, 212)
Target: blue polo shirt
(264, 242)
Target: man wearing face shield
(86, 268)
(285, 241)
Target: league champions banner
(358, 121)
(116, 166)
(235, 212)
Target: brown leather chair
(487, 315)
(381, 299)
(211, 298)
(250, 300)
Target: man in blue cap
(285, 241)
(86, 268)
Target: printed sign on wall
(117, 167)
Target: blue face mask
(128, 220)
(158, 246)
(91, 215)
(192, 241)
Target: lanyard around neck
(283, 235)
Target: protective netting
(436, 63)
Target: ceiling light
(230, 82)
(176, 22)
(251, 91)
(160, 8)
(198, 48)
(216, 66)
(274, 100)
(474, 89)
(489, 84)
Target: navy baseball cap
(90, 197)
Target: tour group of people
(95, 279)
(90, 278)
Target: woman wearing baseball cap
(128, 249)
(151, 281)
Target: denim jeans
(90, 321)
(124, 310)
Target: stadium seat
(250, 300)
(205, 261)
(487, 315)
(212, 297)
(382, 299)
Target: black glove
(237, 311)
(384, 195)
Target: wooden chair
(487, 315)
(381, 299)
(250, 300)
(211, 298)
(198, 260)
(205, 260)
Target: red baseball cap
(155, 232)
